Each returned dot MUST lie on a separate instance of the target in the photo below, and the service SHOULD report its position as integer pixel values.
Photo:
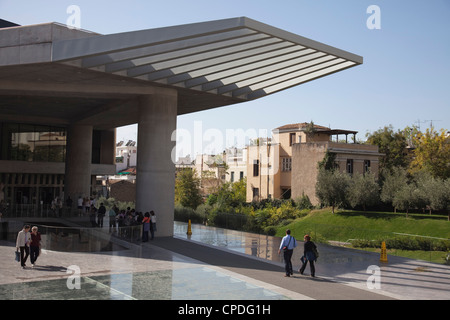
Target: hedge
(405, 243)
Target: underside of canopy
(239, 57)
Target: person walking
(100, 215)
(22, 243)
(288, 243)
(35, 245)
(112, 218)
(152, 224)
(92, 216)
(80, 206)
(309, 254)
(146, 227)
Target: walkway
(401, 278)
(226, 265)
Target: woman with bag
(310, 254)
(23, 244)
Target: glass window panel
(41, 151)
(36, 143)
(57, 145)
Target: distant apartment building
(126, 155)
(211, 170)
(236, 160)
(184, 162)
(214, 170)
(287, 166)
(121, 185)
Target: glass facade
(25, 142)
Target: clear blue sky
(404, 78)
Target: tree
(437, 192)
(187, 188)
(331, 187)
(392, 144)
(426, 185)
(229, 194)
(446, 191)
(329, 161)
(239, 191)
(363, 190)
(404, 198)
(432, 153)
(393, 182)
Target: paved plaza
(215, 264)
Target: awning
(239, 58)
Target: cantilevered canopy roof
(52, 74)
(239, 57)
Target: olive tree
(331, 187)
(363, 190)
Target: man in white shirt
(80, 206)
(288, 243)
(23, 243)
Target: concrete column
(155, 177)
(77, 181)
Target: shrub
(184, 214)
(270, 230)
(405, 243)
(303, 202)
(227, 220)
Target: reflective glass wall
(25, 142)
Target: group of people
(123, 218)
(28, 241)
(130, 217)
(149, 224)
(310, 254)
(29, 244)
(83, 204)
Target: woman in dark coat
(309, 255)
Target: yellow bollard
(383, 256)
(189, 232)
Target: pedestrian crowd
(130, 217)
(28, 244)
(28, 241)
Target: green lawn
(346, 225)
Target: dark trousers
(112, 222)
(34, 254)
(24, 253)
(100, 220)
(311, 266)
(288, 262)
(152, 229)
(145, 236)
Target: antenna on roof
(431, 122)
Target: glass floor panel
(199, 283)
